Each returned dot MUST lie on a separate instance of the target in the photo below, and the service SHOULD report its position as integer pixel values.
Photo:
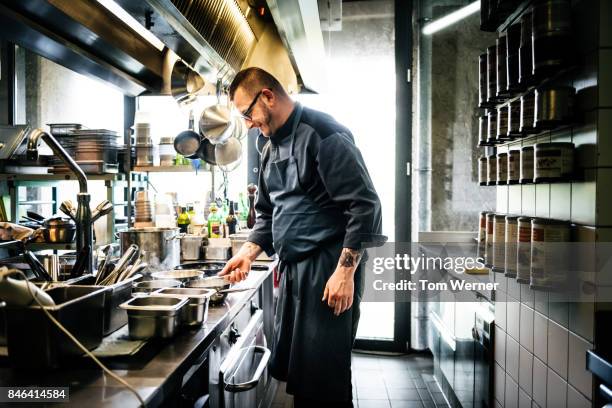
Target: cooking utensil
(191, 247)
(130, 253)
(217, 253)
(160, 246)
(209, 268)
(105, 207)
(59, 230)
(34, 215)
(185, 83)
(81, 262)
(196, 311)
(68, 208)
(37, 268)
(228, 154)
(187, 142)
(153, 285)
(206, 152)
(184, 275)
(216, 124)
(153, 316)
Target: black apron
(312, 347)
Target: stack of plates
(89, 147)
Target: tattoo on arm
(251, 250)
(350, 257)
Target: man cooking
(317, 209)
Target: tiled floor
(387, 382)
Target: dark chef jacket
(332, 172)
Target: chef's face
(256, 109)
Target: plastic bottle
(183, 220)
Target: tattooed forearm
(349, 258)
(250, 250)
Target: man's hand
(340, 287)
(239, 266)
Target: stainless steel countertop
(154, 376)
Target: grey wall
(455, 196)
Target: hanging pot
(216, 124)
(228, 154)
(188, 142)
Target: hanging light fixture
(450, 19)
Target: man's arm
(340, 288)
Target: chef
(317, 209)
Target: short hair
(253, 80)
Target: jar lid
(490, 214)
(493, 156)
(553, 145)
(524, 148)
(502, 154)
(500, 217)
(511, 152)
(547, 221)
(512, 217)
(483, 158)
(524, 219)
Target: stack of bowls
(143, 208)
(144, 145)
(167, 154)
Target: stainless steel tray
(195, 313)
(153, 316)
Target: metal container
(525, 51)
(511, 245)
(553, 162)
(152, 286)
(552, 36)
(549, 253)
(482, 234)
(215, 283)
(153, 316)
(527, 113)
(492, 74)
(554, 106)
(160, 246)
(492, 170)
(482, 180)
(34, 341)
(183, 275)
(514, 119)
(502, 124)
(191, 247)
(526, 165)
(502, 75)
(195, 313)
(492, 127)
(502, 168)
(514, 166)
(221, 253)
(523, 250)
(513, 42)
(499, 245)
(144, 155)
(482, 131)
(488, 256)
(59, 230)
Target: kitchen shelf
(60, 177)
(167, 169)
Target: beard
(266, 122)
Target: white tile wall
(540, 336)
(576, 400)
(500, 383)
(557, 348)
(526, 327)
(539, 382)
(512, 358)
(513, 315)
(511, 396)
(500, 310)
(500, 347)
(578, 375)
(556, 393)
(526, 370)
(524, 399)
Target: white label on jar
(554, 163)
(549, 259)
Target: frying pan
(187, 143)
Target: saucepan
(188, 142)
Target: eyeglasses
(247, 113)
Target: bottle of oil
(183, 220)
(214, 223)
(231, 220)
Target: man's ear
(269, 97)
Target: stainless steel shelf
(59, 177)
(167, 169)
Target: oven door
(243, 375)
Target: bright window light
(452, 18)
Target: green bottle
(183, 220)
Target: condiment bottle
(214, 223)
(252, 190)
(183, 220)
(231, 220)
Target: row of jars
(543, 109)
(531, 250)
(540, 163)
(533, 49)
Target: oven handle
(252, 383)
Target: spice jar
(511, 239)
(482, 81)
(492, 170)
(482, 171)
(514, 119)
(502, 124)
(549, 253)
(492, 74)
(523, 250)
(482, 234)
(527, 113)
(499, 245)
(488, 258)
(525, 56)
(492, 127)
(483, 122)
(502, 168)
(553, 162)
(552, 36)
(514, 166)
(502, 76)
(526, 165)
(553, 106)
(513, 42)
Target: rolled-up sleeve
(347, 181)
(262, 231)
